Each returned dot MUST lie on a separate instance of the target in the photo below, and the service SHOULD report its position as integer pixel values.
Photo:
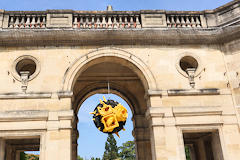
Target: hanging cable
(108, 90)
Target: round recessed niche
(26, 64)
(188, 62)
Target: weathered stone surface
(143, 62)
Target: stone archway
(129, 78)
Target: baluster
(123, 21)
(178, 23)
(188, 23)
(16, 24)
(193, 22)
(183, 22)
(98, 22)
(33, 21)
(127, 24)
(109, 21)
(92, 21)
(173, 21)
(198, 23)
(43, 22)
(80, 24)
(38, 22)
(120, 21)
(128, 21)
(138, 24)
(85, 23)
(131, 22)
(28, 22)
(11, 22)
(104, 21)
(115, 23)
(75, 22)
(168, 21)
(22, 23)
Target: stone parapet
(50, 19)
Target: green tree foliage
(111, 149)
(24, 156)
(95, 158)
(79, 158)
(127, 151)
(187, 152)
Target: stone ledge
(23, 115)
(196, 111)
(34, 95)
(30, 95)
(163, 112)
(34, 115)
(188, 92)
(196, 92)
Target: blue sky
(91, 142)
(117, 4)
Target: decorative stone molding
(188, 92)
(35, 95)
(142, 70)
(59, 19)
(23, 115)
(51, 120)
(153, 20)
(197, 111)
(29, 95)
(182, 92)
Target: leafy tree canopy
(111, 149)
(127, 151)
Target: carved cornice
(70, 37)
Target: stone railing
(223, 16)
(110, 21)
(23, 21)
(183, 21)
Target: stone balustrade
(23, 21)
(183, 21)
(222, 16)
(102, 21)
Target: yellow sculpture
(110, 116)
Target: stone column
(57, 143)
(201, 149)
(75, 138)
(166, 141)
(1, 18)
(18, 155)
(2, 149)
(143, 144)
(216, 146)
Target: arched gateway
(178, 71)
(128, 77)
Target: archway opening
(125, 80)
(90, 138)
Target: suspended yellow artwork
(110, 116)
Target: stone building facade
(179, 72)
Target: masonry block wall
(178, 70)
